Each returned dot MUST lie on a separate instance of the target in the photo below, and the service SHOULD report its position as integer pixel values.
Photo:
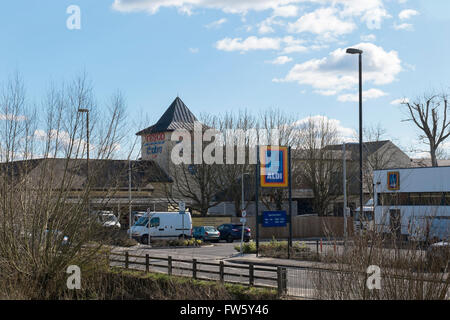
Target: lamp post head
(354, 51)
(83, 110)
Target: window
(414, 199)
(142, 222)
(154, 222)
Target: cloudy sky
(226, 55)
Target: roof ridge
(178, 113)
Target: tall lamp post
(81, 110)
(242, 207)
(359, 52)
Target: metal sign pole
(290, 203)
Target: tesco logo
(155, 137)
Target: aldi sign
(393, 180)
(274, 166)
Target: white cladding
(430, 179)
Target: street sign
(274, 166)
(244, 213)
(243, 220)
(274, 219)
(182, 207)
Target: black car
(233, 231)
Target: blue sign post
(274, 219)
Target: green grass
(177, 287)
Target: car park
(206, 233)
(233, 231)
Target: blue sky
(226, 55)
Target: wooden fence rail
(279, 279)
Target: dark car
(232, 231)
(206, 233)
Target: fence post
(126, 260)
(251, 274)
(284, 280)
(317, 246)
(147, 263)
(221, 271)
(169, 265)
(279, 282)
(194, 268)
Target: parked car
(233, 231)
(162, 226)
(438, 254)
(206, 233)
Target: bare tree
(196, 183)
(429, 114)
(44, 220)
(318, 166)
(237, 166)
(275, 121)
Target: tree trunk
(434, 162)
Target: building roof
(419, 163)
(104, 174)
(177, 116)
(370, 147)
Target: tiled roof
(104, 174)
(177, 116)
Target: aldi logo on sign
(274, 166)
(393, 180)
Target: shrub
(247, 247)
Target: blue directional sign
(274, 219)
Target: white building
(413, 202)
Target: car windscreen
(108, 218)
(210, 229)
(141, 222)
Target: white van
(163, 226)
(364, 222)
(107, 219)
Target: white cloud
(281, 60)
(403, 26)
(338, 71)
(323, 22)
(344, 133)
(194, 50)
(368, 94)
(251, 43)
(216, 24)
(408, 13)
(399, 101)
(287, 44)
(370, 11)
(229, 6)
(286, 11)
(368, 37)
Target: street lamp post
(81, 110)
(242, 209)
(359, 52)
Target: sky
(229, 55)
